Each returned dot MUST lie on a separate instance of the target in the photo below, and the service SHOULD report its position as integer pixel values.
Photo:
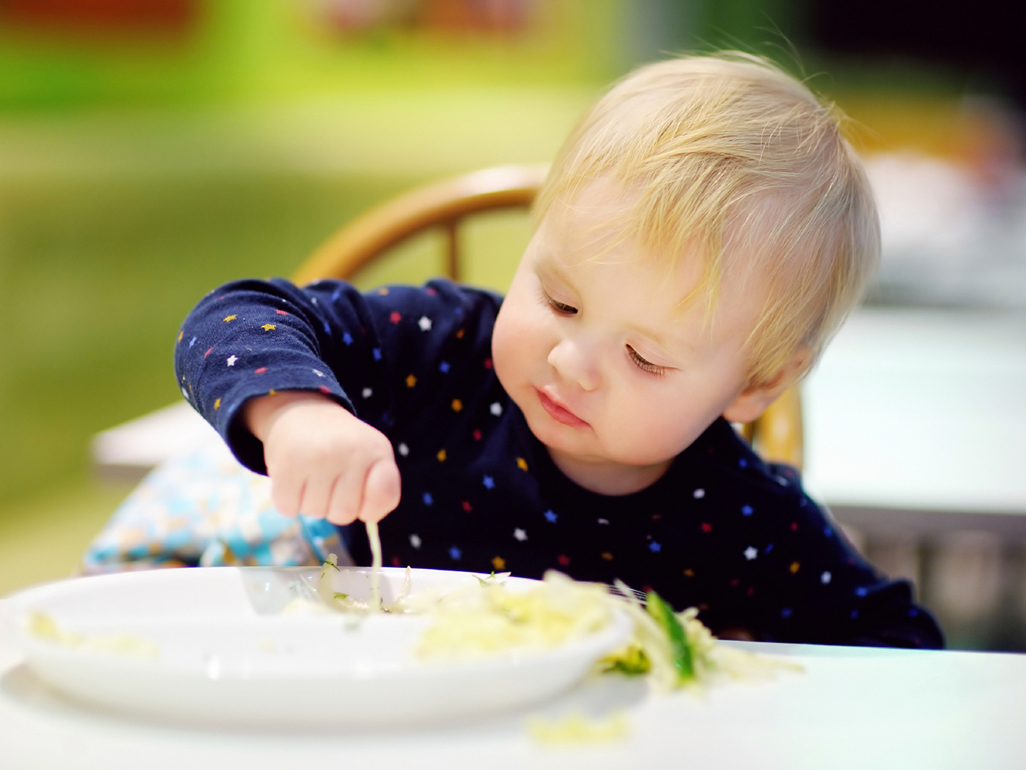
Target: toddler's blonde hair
(729, 157)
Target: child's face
(613, 377)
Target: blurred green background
(152, 150)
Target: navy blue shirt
(721, 530)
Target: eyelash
(560, 307)
(642, 364)
(563, 309)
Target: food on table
(580, 728)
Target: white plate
(217, 649)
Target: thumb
(381, 490)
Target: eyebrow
(671, 344)
(550, 268)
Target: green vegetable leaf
(664, 615)
(493, 579)
(331, 561)
(631, 660)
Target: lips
(558, 412)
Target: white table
(851, 708)
(915, 420)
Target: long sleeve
(812, 584)
(369, 351)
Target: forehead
(591, 233)
(604, 215)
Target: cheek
(509, 339)
(657, 425)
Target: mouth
(558, 412)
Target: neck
(608, 478)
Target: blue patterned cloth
(204, 509)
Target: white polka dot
(825, 578)
(496, 408)
(699, 494)
(366, 392)
(404, 450)
(415, 541)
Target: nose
(575, 360)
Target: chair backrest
(777, 434)
(441, 205)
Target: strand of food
(375, 546)
(342, 601)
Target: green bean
(664, 615)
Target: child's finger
(381, 490)
(316, 495)
(286, 492)
(344, 505)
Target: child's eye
(641, 363)
(560, 307)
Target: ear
(753, 400)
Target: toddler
(701, 235)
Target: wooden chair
(776, 435)
(442, 205)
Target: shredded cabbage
(652, 650)
(490, 617)
(579, 728)
(674, 649)
(375, 546)
(43, 626)
(346, 603)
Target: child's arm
(315, 385)
(323, 461)
(832, 594)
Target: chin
(556, 439)
(553, 435)
(543, 427)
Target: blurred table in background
(915, 420)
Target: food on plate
(673, 648)
(43, 626)
(330, 599)
(344, 601)
(489, 617)
(440, 645)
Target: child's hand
(322, 460)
